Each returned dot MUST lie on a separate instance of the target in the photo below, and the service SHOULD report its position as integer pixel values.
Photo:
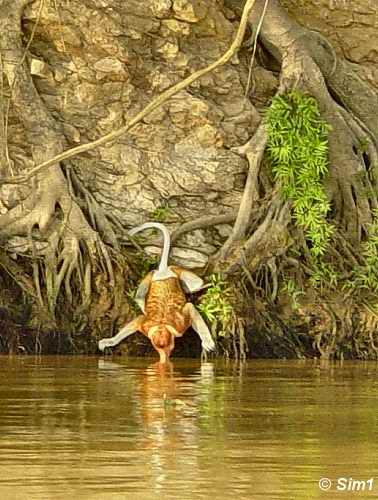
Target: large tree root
(253, 150)
(308, 63)
(348, 104)
(51, 217)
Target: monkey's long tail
(167, 241)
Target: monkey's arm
(190, 282)
(199, 325)
(142, 291)
(127, 330)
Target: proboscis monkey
(166, 312)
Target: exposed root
(203, 223)
(253, 150)
(349, 186)
(347, 103)
(270, 238)
(17, 274)
(51, 217)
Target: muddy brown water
(89, 428)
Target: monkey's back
(164, 303)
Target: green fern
(298, 151)
(216, 306)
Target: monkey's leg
(199, 325)
(127, 330)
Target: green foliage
(366, 276)
(160, 214)
(292, 289)
(216, 306)
(298, 152)
(324, 275)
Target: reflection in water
(89, 428)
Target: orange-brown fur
(163, 312)
(164, 303)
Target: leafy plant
(216, 305)
(298, 152)
(324, 275)
(366, 275)
(292, 289)
(160, 214)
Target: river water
(88, 428)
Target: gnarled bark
(50, 212)
(309, 63)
